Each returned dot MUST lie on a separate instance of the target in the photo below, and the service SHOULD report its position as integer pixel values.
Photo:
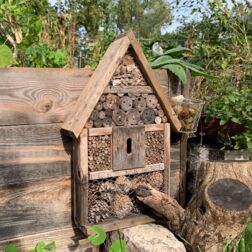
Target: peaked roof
(101, 77)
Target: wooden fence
(35, 158)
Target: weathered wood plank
(125, 223)
(99, 131)
(32, 135)
(22, 173)
(95, 86)
(128, 151)
(167, 158)
(162, 77)
(154, 127)
(66, 239)
(31, 96)
(32, 208)
(129, 89)
(81, 178)
(110, 174)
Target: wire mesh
(114, 198)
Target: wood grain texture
(167, 158)
(31, 208)
(128, 89)
(111, 174)
(125, 223)
(66, 239)
(128, 148)
(95, 86)
(31, 96)
(33, 152)
(80, 160)
(32, 135)
(149, 74)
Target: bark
(218, 211)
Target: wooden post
(183, 149)
(167, 158)
(81, 178)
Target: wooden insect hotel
(121, 130)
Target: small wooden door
(128, 147)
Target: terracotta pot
(211, 129)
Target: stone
(149, 238)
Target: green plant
(6, 57)
(233, 106)
(100, 236)
(173, 61)
(40, 247)
(245, 244)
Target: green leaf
(235, 120)
(160, 61)
(177, 70)
(222, 122)
(50, 246)
(40, 246)
(6, 57)
(32, 250)
(12, 248)
(100, 236)
(177, 51)
(118, 246)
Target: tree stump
(218, 211)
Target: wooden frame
(99, 81)
(82, 177)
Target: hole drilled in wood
(129, 145)
(154, 147)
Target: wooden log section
(218, 211)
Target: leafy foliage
(118, 246)
(99, 237)
(245, 244)
(40, 247)
(177, 65)
(12, 248)
(6, 57)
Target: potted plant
(231, 118)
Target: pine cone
(124, 184)
(99, 211)
(122, 206)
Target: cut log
(102, 114)
(148, 116)
(218, 211)
(140, 104)
(98, 123)
(112, 102)
(119, 117)
(151, 101)
(126, 103)
(107, 122)
(133, 117)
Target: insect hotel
(121, 130)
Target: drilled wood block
(99, 153)
(154, 144)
